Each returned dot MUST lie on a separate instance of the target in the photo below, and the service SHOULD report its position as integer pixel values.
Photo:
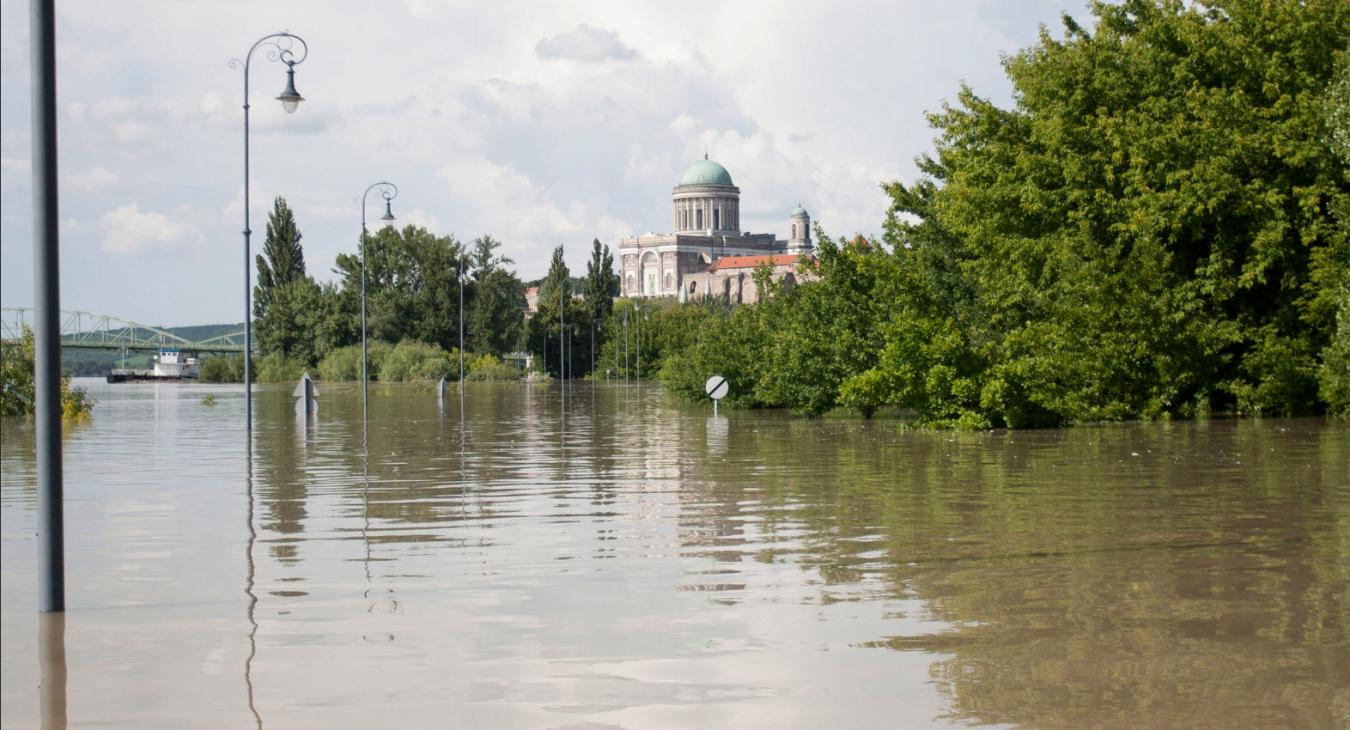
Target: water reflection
(52, 650)
(523, 556)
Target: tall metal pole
(388, 191)
(365, 376)
(637, 335)
(461, 325)
(289, 98)
(562, 316)
(625, 348)
(46, 322)
(248, 275)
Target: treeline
(1159, 226)
(415, 283)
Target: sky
(539, 123)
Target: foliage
(496, 301)
(275, 367)
(558, 315)
(284, 295)
(344, 363)
(489, 367)
(18, 395)
(412, 360)
(601, 284)
(228, 369)
(412, 285)
(1156, 227)
(209, 399)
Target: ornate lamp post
(283, 46)
(388, 191)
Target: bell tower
(799, 231)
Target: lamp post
(388, 191)
(283, 50)
(461, 326)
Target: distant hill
(81, 362)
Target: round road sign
(717, 387)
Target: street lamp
(283, 50)
(388, 191)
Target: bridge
(104, 332)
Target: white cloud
(581, 134)
(93, 180)
(585, 44)
(127, 231)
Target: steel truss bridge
(104, 332)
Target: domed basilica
(708, 254)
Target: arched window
(670, 281)
(794, 231)
(630, 282)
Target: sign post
(716, 388)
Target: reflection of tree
(1091, 576)
(1087, 577)
(281, 484)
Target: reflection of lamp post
(388, 191)
(282, 50)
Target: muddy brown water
(617, 559)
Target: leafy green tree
(496, 310)
(556, 298)
(412, 285)
(18, 395)
(1147, 231)
(601, 283)
(598, 289)
(286, 300)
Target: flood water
(617, 559)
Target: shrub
(277, 368)
(229, 369)
(344, 363)
(17, 391)
(489, 367)
(412, 360)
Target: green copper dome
(800, 212)
(706, 172)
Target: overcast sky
(539, 123)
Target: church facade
(707, 253)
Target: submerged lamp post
(388, 191)
(283, 49)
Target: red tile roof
(750, 262)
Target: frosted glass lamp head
(290, 98)
(388, 218)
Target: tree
(412, 285)
(496, 310)
(599, 288)
(18, 396)
(283, 289)
(1148, 231)
(557, 316)
(602, 284)
(282, 260)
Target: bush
(1334, 375)
(277, 368)
(489, 367)
(17, 389)
(229, 369)
(412, 360)
(344, 363)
